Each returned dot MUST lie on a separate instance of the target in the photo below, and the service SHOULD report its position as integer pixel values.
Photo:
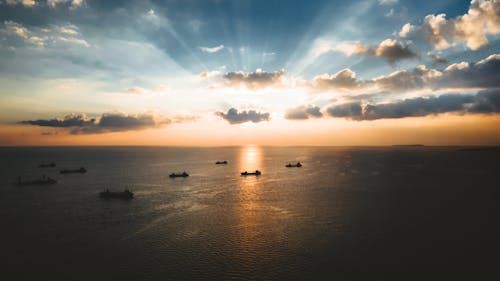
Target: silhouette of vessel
(81, 170)
(256, 173)
(47, 165)
(41, 181)
(181, 175)
(126, 194)
(221, 162)
(289, 165)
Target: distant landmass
(408, 145)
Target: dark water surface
(396, 213)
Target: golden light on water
(250, 158)
(249, 211)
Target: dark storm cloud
(108, 122)
(486, 102)
(234, 117)
(303, 112)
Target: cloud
(350, 110)
(464, 75)
(254, 80)
(107, 122)
(437, 60)
(26, 3)
(482, 74)
(417, 107)
(406, 80)
(74, 40)
(15, 28)
(212, 49)
(136, 91)
(71, 120)
(486, 102)
(45, 36)
(73, 3)
(342, 80)
(406, 29)
(393, 51)
(481, 20)
(234, 117)
(303, 112)
(387, 2)
(389, 49)
(349, 48)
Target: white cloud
(68, 29)
(481, 20)
(405, 30)
(74, 40)
(212, 49)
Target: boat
(126, 194)
(82, 170)
(289, 165)
(180, 175)
(221, 162)
(47, 165)
(256, 173)
(41, 181)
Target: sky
(221, 72)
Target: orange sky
(444, 129)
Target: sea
(349, 213)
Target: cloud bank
(464, 75)
(107, 122)
(486, 102)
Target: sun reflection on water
(250, 210)
(250, 158)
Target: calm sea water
(400, 213)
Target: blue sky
(61, 57)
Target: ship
(289, 165)
(41, 181)
(256, 173)
(81, 170)
(180, 175)
(221, 162)
(47, 165)
(126, 194)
